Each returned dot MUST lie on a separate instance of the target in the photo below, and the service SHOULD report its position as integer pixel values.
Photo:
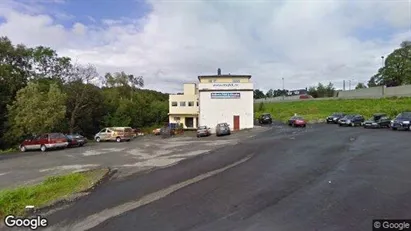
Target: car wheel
(394, 129)
(81, 145)
(43, 148)
(304, 126)
(23, 148)
(118, 139)
(340, 125)
(98, 139)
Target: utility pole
(343, 85)
(349, 84)
(283, 89)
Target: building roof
(224, 76)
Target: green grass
(14, 201)
(319, 109)
(7, 151)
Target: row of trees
(42, 92)
(318, 91)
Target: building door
(236, 123)
(189, 122)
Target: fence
(363, 93)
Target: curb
(74, 197)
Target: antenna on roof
(218, 71)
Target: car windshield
(297, 117)
(69, 136)
(336, 114)
(404, 115)
(349, 116)
(202, 127)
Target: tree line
(41, 91)
(396, 71)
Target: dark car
(203, 131)
(351, 120)
(265, 119)
(297, 121)
(222, 129)
(335, 117)
(44, 142)
(378, 120)
(76, 140)
(402, 121)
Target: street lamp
(382, 61)
(283, 88)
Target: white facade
(226, 102)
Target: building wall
(180, 119)
(183, 109)
(190, 89)
(224, 79)
(372, 92)
(214, 111)
(404, 90)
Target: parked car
(203, 131)
(265, 119)
(222, 129)
(167, 131)
(76, 140)
(402, 121)
(378, 120)
(351, 120)
(157, 131)
(335, 117)
(114, 134)
(297, 121)
(44, 142)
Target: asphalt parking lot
(141, 154)
(322, 177)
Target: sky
(171, 42)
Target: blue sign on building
(225, 95)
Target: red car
(297, 121)
(44, 142)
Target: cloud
(304, 42)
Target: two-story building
(183, 108)
(226, 99)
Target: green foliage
(319, 109)
(322, 91)
(41, 91)
(360, 85)
(35, 111)
(397, 68)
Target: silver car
(203, 131)
(222, 129)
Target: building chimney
(218, 71)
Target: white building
(226, 98)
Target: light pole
(349, 84)
(382, 61)
(283, 88)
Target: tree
(360, 85)
(322, 91)
(258, 94)
(371, 82)
(82, 97)
(270, 93)
(36, 112)
(397, 68)
(47, 64)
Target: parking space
(128, 157)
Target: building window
(176, 118)
(174, 104)
(182, 104)
(191, 103)
(197, 103)
(236, 80)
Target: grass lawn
(320, 109)
(14, 201)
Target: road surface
(323, 177)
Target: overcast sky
(170, 42)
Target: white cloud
(303, 41)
